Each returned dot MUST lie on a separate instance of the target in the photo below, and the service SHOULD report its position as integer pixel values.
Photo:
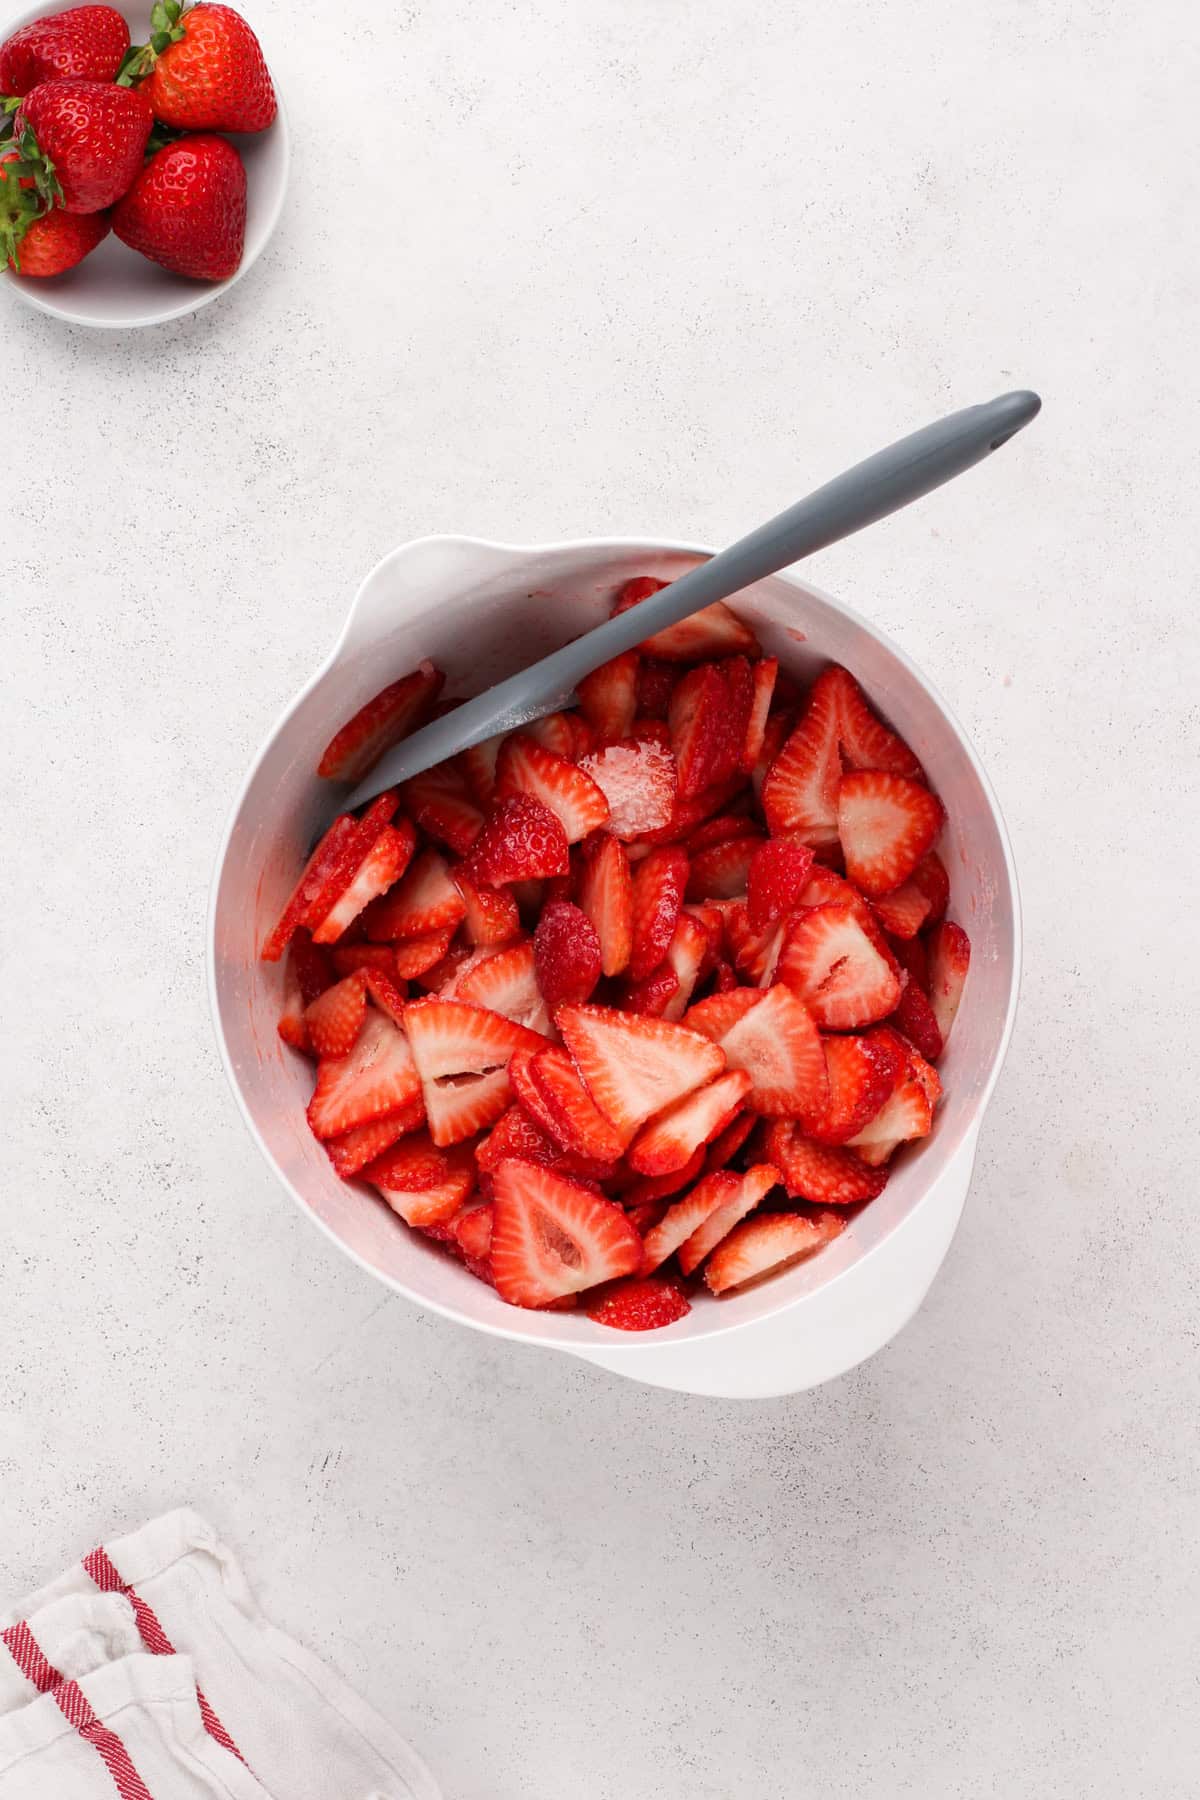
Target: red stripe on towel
(73, 1704)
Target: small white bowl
(115, 288)
(481, 611)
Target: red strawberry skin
(58, 241)
(214, 77)
(85, 43)
(95, 135)
(187, 210)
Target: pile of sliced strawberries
(650, 991)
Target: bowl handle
(405, 579)
(831, 1330)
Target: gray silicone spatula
(882, 484)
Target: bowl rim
(39, 296)
(636, 1342)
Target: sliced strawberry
(608, 696)
(633, 1067)
(778, 729)
(764, 1245)
(725, 1146)
(351, 1152)
(763, 676)
(552, 1236)
(721, 830)
(308, 973)
(886, 823)
(566, 955)
(686, 956)
(816, 1172)
(562, 1104)
(672, 1136)
(752, 1187)
(639, 1305)
(415, 957)
(659, 883)
(382, 722)
(557, 731)
(655, 685)
(462, 1053)
(383, 865)
(335, 1018)
(826, 887)
(424, 901)
(949, 960)
(799, 794)
(473, 1231)
(862, 1072)
(698, 724)
(907, 1114)
(516, 1134)
(903, 912)
(638, 780)
(378, 1076)
(724, 978)
(841, 968)
(440, 803)
(777, 876)
(506, 982)
(422, 1182)
(915, 1017)
(523, 840)
(931, 877)
(721, 871)
(866, 742)
(347, 959)
(606, 896)
(713, 631)
(329, 872)
(385, 993)
(755, 953)
(491, 916)
(770, 1035)
(687, 815)
(527, 767)
(913, 957)
(686, 1216)
(650, 1188)
(478, 763)
(650, 997)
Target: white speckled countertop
(635, 265)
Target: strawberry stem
(165, 29)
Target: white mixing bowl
(115, 288)
(481, 611)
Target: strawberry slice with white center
(755, 953)
(425, 900)
(687, 953)
(382, 722)
(721, 871)
(522, 841)
(818, 1172)
(632, 1066)
(439, 802)
(336, 1017)
(886, 824)
(608, 696)
(382, 866)
(378, 1076)
(659, 884)
(949, 960)
(906, 1115)
(351, 1152)
(462, 1054)
(551, 1236)
(651, 1188)
(686, 1216)
(415, 957)
(799, 794)
(773, 1038)
(425, 1184)
(672, 1136)
(328, 872)
(506, 983)
(548, 1086)
(606, 896)
(841, 968)
(903, 912)
(751, 1188)
(527, 767)
(767, 1244)
(560, 732)
(866, 742)
(638, 780)
(491, 916)
(763, 676)
(478, 763)
(713, 631)
(863, 1072)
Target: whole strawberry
(87, 43)
(204, 70)
(187, 209)
(91, 135)
(36, 236)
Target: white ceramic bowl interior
(481, 611)
(116, 289)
